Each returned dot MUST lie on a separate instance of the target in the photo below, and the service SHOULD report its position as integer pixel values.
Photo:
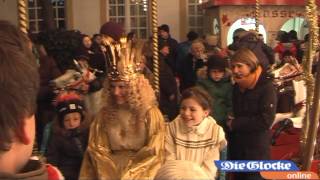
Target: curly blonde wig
(140, 99)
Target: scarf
(250, 81)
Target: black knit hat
(68, 103)
(112, 29)
(216, 62)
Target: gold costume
(126, 141)
(103, 162)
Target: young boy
(219, 86)
(19, 83)
(70, 137)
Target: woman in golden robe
(127, 137)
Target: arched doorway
(247, 24)
(298, 24)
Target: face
(98, 39)
(197, 50)
(72, 120)
(165, 51)
(240, 70)
(216, 74)
(119, 91)
(164, 34)
(87, 42)
(192, 113)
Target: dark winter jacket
(254, 111)
(66, 150)
(173, 45)
(48, 71)
(97, 61)
(188, 72)
(221, 92)
(168, 88)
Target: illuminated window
(195, 16)
(132, 14)
(35, 9)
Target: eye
(183, 108)
(193, 109)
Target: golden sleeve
(97, 163)
(149, 158)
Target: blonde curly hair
(141, 97)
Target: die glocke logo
(256, 166)
(269, 169)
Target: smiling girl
(194, 135)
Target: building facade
(88, 16)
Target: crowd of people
(108, 123)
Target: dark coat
(254, 111)
(66, 150)
(168, 87)
(48, 71)
(173, 45)
(97, 61)
(188, 72)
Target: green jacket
(221, 93)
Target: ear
(207, 112)
(26, 130)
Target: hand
(229, 122)
(172, 97)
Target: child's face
(165, 51)
(192, 113)
(72, 120)
(216, 74)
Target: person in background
(19, 85)
(219, 86)
(97, 44)
(185, 47)
(188, 74)
(236, 38)
(69, 139)
(254, 101)
(132, 36)
(211, 45)
(165, 37)
(194, 135)
(48, 71)
(168, 102)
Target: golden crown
(124, 58)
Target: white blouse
(200, 144)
